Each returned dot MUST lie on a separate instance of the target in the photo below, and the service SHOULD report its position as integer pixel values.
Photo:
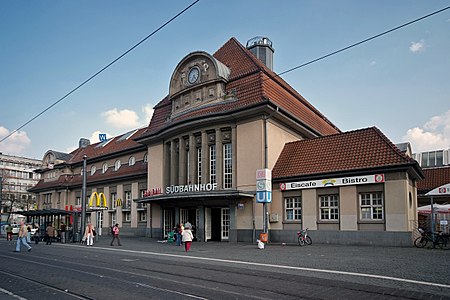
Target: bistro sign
(175, 189)
(312, 184)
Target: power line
(363, 41)
(100, 71)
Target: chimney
(261, 47)
(84, 143)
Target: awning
(437, 208)
(45, 212)
(232, 194)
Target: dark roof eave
(381, 169)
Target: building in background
(116, 173)
(17, 176)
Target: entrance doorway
(217, 223)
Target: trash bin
(264, 237)
(170, 237)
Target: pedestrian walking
(22, 238)
(29, 233)
(37, 234)
(116, 235)
(89, 234)
(9, 232)
(187, 238)
(178, 232)
(49, 234)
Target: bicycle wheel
(308, 240)
(301, 241)
(443, 243)
(420, 242)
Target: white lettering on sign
(174, 189)
(378, 178)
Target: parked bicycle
(303, 237)
(439, 239)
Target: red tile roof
(359, 150)
(254, 84)
(434, 177)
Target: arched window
(93, 169)
(117, 165)
(146, 157)
(104, 168)
(131, 161)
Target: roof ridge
(392, 145)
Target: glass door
(225, 221)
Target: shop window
(293, 209)
(329, 207)
(371, 206)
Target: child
(187, 238)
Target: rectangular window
(371, 205)
(212, 164)
(143, 216)
(127, 200)
(329, 207)
(293, 209)
(199, 165)
(113, 201)
(78, 201)
(127, 217)
(188, 181)
(48, 199)
(227, 166)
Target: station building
(226, 116)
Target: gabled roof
(434, 177)
(360, 150)
(253, 84)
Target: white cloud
(417, 46)
(373, 63)
(121, 119)
(434, 134)
(148, 111)
(15, 144)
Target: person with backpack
(115, 232)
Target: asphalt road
(146, 269)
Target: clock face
(193, 75)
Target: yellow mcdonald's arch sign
(119, 202)
(100, 200)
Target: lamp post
(83, 198)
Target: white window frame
(131, 161)
(371, 206)
(329, 207)
(93, 169)
(117, 165)
(113, 200)
(199, 165)
(104, 167)
(227, 166)
(293, 208)
(212, 164)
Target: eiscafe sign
(343, 181)
(176, 189)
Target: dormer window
(117, 165)
(104, 168)
(93, 169)
(131, 161)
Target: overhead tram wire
(363, 41)
(100, 71)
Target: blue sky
(399, 83)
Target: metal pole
(432, 219)
(83, 199)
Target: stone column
(182, 177)
(192, 160)
(233, 228)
